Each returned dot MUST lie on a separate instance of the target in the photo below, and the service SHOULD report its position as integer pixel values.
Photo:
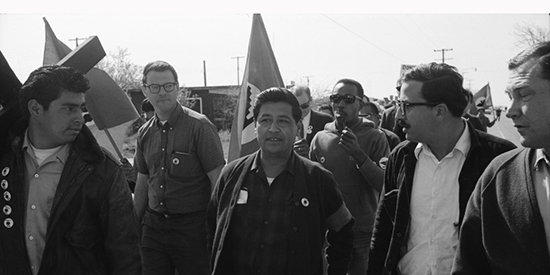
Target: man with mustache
(356, 153)
(67, 208)
(506, 227)
(270, 210)
(429, 177)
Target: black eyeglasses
(348, 99)
(305, 105)
(155, 88)
(404, 104)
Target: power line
(360, 37)
(420, 29)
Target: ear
(34, 107)
(143, 90)
(441, 110)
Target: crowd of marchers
(417, 187)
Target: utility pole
(238, 75)
(464, 72)
(204, 71)
(76, 40)
(443, 54)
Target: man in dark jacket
(311, 121)
(506, 227)
(270, 210)
(430, 177)
(67, 207)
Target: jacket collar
(85, 145)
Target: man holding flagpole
(178, 157)
(66, 205)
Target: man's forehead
(160, 75)
(278, 107)
(345, 88)
(67, 97)
(303, 98)
(411, 88)
(524, 74)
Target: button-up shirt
(541, 178)
(433, 236)
(177, 157)
(260, 227)
(41, 183)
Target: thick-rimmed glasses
(348, 99)
(404, 104)
(304, 106)
(155, 88)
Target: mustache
(403, 124)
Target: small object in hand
(340, 123)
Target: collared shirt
(40, 183)
(433, 236)
(260, 226)
(177, 157)
(541, 180)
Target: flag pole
(113, 143)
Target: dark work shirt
(261, 223)
(177, 157)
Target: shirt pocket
(184, 165)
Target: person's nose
(514, 110)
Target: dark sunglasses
(348, 99)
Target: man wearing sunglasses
(179, 157)
(356, 153)
(429, 177)
(311, 121)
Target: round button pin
(4, 184)
(322, 159)
(176, 161)
(8, 223)
(305, 202)
(5, 171)
(6, 209)
(7, 196)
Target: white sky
(310, 41)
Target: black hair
(541, 51)
(277, 94)
(47, 83)
(441, 83)
(348, 81)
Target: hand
(301, 148)
(129, 170)
(350, 144)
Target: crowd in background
(414, 187)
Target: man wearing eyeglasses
(429, 177)
(356, 153)
(179, 157)
(311, 121)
